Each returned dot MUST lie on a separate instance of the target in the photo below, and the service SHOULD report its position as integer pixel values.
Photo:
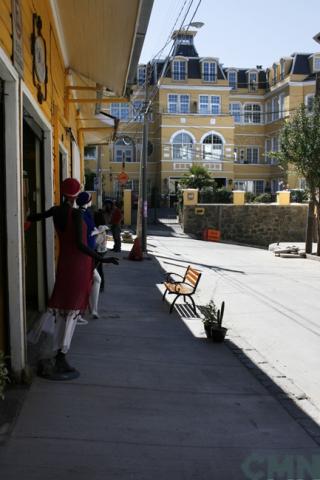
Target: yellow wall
(53, 106)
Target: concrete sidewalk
(154, 402)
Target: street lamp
(194, 24)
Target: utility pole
(143, 177)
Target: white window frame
(275, 109)
(213, 75)
(281, 105)
(208, 154)
(210, 104)
(203, 105)
(253, 81)
(253, 114)
(248, 185)
(186, 149)
(275, 73)
(120, 111)
(178, 103)
(268, 116)
(236, 116)
(316, 59)
(182, 73)
(307, 103)
(141, 74)
(137, 114)
(90, 157)
(233, 84)
(124, 153)
(252, 155)
(267, 150)
(282, 68)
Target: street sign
(123, 178)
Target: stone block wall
(251, 224)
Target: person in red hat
(72, 287)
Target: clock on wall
(39, 52)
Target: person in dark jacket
(115, 216)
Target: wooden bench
(179, 285)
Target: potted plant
(212, 321)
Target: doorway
(3, 230)
(33, 196)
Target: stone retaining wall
(252, 224)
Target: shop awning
(102, 39)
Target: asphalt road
(272, 305)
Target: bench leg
(172, 304)
(163, 296)
(194, 305)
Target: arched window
(124, 150)
(182, 145)
(212, 149)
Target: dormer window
(209, 71)
(141, 75)
(316, 64)
(275, 69)
(282, 68)
(267, 78)
(232, 78)
(179, 69)
(253, 81)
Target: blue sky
(241, 33)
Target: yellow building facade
(226, 119)
(57, 71)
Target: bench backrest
(192, 276)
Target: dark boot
(62, 366)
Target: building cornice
(193, 87)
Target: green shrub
(249, 197)
(298, 196)
(215, 195)
(222, 195)
(206, 195)
(264, 198)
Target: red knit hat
(70, 187)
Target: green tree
(300, 149)
(198, 177)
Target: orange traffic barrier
(213, 235)
(136, 251)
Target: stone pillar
(127, 207)
(190, 196)
(283, 197)
(238, 197)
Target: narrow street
(272, 304)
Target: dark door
(33, 181)
(3, 233)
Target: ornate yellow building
(60, 62)
(226, 119)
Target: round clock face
(40, 59)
